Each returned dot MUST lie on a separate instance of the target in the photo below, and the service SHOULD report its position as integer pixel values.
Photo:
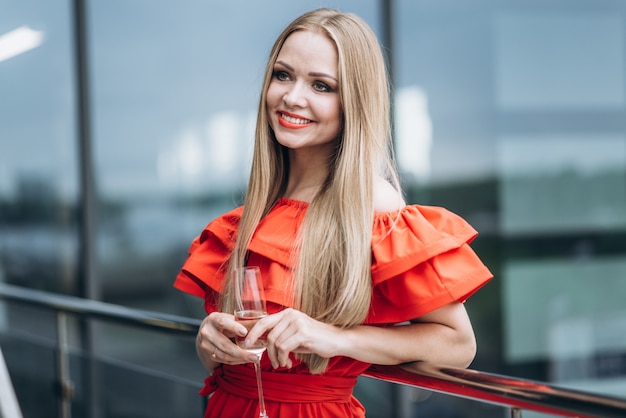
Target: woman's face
(302, 99)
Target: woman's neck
(306, 177)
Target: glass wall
(508, 112)
(175, 94)
(38, 161)
(521, 130)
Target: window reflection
(413, 134)
(38, 180)
(19, 41)
(566, 59)
(541, 180)
(528, 142)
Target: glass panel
(542, 178)
(174, 109)
(513, 115)
(105, 385)
(31, 365)
(38, 166)
(559, 59)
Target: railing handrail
(472, 384)
(100, 310)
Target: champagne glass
(249, 308)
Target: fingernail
(252, 358)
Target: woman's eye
(281, 75)
(322, 87)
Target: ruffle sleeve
(203, 270)
(202, 274)
(421, 261)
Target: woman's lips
(292, 121)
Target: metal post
(387, 40)
(87, 283)
(400, 402)
(516, 412)
(65, 385)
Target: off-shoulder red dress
(421, 261)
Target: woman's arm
(444, 336)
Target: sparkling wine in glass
(249, 308)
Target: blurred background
(126, 126)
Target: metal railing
(514, 393)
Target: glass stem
(257, 370)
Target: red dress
(421, 261)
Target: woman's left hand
(292, 331)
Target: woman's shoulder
(386, 197)
(416, 229)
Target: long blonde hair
(332, 267)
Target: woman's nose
(295, 96)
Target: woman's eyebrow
(312, 74)
(315, 74)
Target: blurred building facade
(126, 126)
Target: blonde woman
(353, 276)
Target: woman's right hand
(214, 342)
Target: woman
(353, 276)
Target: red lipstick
(283, 122)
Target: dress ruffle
(421, 258)
(421, 261)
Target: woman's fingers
(215, 339)
(286, 342)
(291, 331)
(281, 340)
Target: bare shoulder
(386, 197)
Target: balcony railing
(510, 392)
